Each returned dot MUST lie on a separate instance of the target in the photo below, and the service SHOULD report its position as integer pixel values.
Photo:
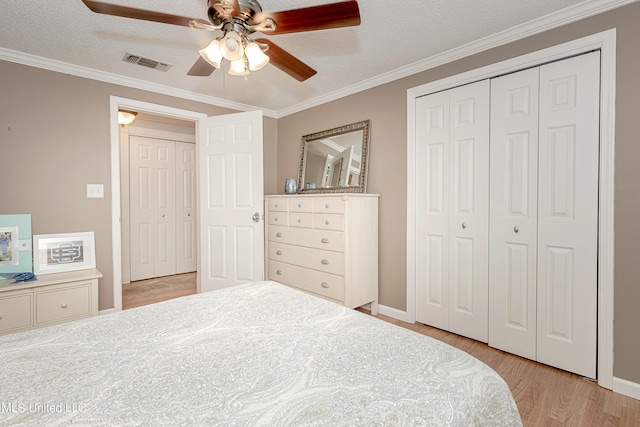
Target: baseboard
(107, 311)
(393, 312)
(627, 388)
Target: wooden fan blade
(201, 68)
(334, 15)
(146, 15)
(287, 62)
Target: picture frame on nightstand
(56, 253)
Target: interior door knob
(256, 217)
(516, 229)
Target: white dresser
(326, 245)
(53, 298)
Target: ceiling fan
(238, 20)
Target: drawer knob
(326, 206)
(324, 285)
(299, 221)
(278, 234)
(324, 240)
(0, 316)
(278, 252)
(324, 262)
(276, 219)
(64, 305)
(326, 222)
(299, 205)
(276, 205)
(279, 272)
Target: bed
(259, 354)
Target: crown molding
(90, 73)
(563, 17)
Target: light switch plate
(95, 191)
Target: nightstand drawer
(15, 313)
(56, 305)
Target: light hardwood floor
(545, 396)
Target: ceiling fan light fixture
(212, 53)
(257, 59)
(231, 46)
(238, 68)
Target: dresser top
(316, 195)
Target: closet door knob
(64, 305)
(278, 234)
(279, 272)
(464, 225)
(324, 285)
(278, 252)
(324, 240)
(324, 262)
(516, 229)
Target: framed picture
(15, 244)
(55, 253)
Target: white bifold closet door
(162, 207)
(544, 213)
(452, 136)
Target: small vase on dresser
(325, 244)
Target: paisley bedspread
(259, 354)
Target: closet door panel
(513, 213)
(142, 208)
(164, 209)
(469, 213)
(432, 210)
(568, 214)
(185, 207)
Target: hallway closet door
(544, 213)
(152, 207)
(186, 231)
(452, 137)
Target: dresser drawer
(329, 205)
(328, 222)
(15, 313)
(301, 204)
(320, 239)
(60, 304)
(317, 259)
(304, 220)
(324, 284)
(278, 218)
(279, 205)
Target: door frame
(115, 103)
(605, 42)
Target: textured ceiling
(393, 36)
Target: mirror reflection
(335, 160)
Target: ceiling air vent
(146, 62)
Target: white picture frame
(57, 253)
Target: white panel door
(513, 213)
(469, 210)
(231, 231)
(452, 210)
(186, 236)
(568, 214)
(432, 210)
(152, 207)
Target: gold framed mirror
(335, 160)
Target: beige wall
(386, 107)
(55, 139)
